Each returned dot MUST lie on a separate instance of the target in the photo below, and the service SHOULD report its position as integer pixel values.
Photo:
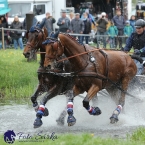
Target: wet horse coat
(114, 66)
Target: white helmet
(103, 14)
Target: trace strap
(99, 76)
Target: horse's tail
(138, 58)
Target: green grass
(137, 138)
(18, 78)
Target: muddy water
(20, 118)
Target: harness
(80, 73)
(39, 40)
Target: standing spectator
(90, 17)
(87, 27)
(4, 24)
(132, 22)
(101, 29)
(48, 22)
(77, 8)
(72, 16)
(119, 22)
(112, 32)
(17, 35)
(91, 9)
(128, 30)
(77, 26)
(63, 23)
(69, 3)
(109, 9)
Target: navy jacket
(119, 22)
(136, 41)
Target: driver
(137, 41)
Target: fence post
(3, 41)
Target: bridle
(55, 46)
(33, 47)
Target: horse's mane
(72, 38)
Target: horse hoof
(46, 112)
(113, 119)
(37, 123)
(60, 121)
(71, 120)
(95, 111)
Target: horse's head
(54, 49)
(35, 36)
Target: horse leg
(116, 112)
(61, 118)
(35, 96)
(114, 93)
(95, 100)
(36, 93)
(42, 110)
(91, 93)
(71, 119)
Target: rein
(86, 52)
(34, 46)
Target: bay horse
(47, 82)
(52, 84)
(93, 70)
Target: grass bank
(137, 138)
(18, 78)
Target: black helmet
(139, 23)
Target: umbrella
(4, 7)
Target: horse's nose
(26, 54)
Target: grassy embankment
(18, 78)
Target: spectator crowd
(107, 29)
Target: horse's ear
(26, 34)
(45, 32)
